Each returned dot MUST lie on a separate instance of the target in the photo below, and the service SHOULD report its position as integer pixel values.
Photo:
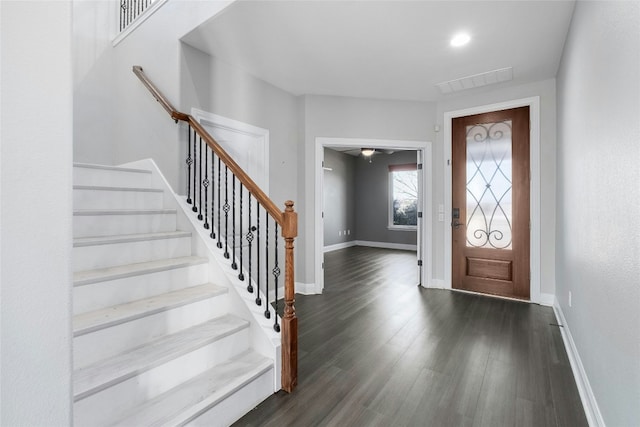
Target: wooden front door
(490, 212)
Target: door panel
(490, 171)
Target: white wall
(546, 90)
(36, 207)
(598, 198)
(133, 125)
(214, 86)
(93, 83)
(340, 117)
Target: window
(403, 196)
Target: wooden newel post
(289, 321)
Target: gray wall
(35, 214)
(372, 199)
(339, 195)
(598, 243)
(330, 116)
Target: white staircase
(155, 342)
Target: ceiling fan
(368, 153)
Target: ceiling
(356, 151)
(385, 49)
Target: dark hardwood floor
(377, 350)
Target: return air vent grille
(477, 80)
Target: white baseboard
(386, 245)
(337, 246)
(591, 409)
(547, 300)
(307, 289)
(435, 284)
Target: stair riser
(235, 406)
(112, 199)
(111, 225)
(110, 178)
(99, 295)
(98, 345)
(108, 405)
(111, 255)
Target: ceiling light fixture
(460, 39)
(367, 151)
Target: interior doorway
(422, 154)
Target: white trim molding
(157, 4)
(426, 225)
(307, 289)
(591, 409)
(337, 246)
(387, 245)
(547, 300)
(436, 284)
(534, 157)
(207, 118)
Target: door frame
(533, 103)
(424, 240)
(206, 118)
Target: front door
(490, 212)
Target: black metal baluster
(226, 209)
(241, 274)
(213, 193)
(200, 186)
(258, 300)
(276, 275)
(122, 6)
(205, 184)
(267, 313)
(219, 232)
(250, 240)
(195, 160)
(233, 222)
(189, 163)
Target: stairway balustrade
(242, 231)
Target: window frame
(399, 168)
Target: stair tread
(191, 398)
(128, 270)
(103, 374)
(85, 323)
(97, 212)
(112, 168)
(109, 188)
(127, 238)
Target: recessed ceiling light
(460, 39)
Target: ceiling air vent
(477, 80)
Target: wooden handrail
(253, 188)
(175, 114)
(287, 219)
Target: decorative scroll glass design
(489, 185)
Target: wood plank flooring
(377, 350)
